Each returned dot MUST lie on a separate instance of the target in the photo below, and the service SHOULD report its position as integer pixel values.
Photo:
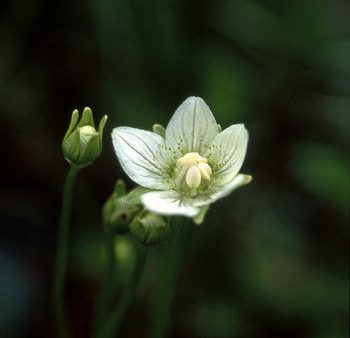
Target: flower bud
(149, 228)
(82, 143)
(116, 213)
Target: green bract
(187, 166)
(82, 143)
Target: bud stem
(62, 253)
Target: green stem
(114, 320)
(107, 278)
(169, 270)
(62, 253)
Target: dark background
(271, 259)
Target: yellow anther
(191, 158)
(205, 170)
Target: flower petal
(192, 126)
(224, 190)
(168, 203)
(141, 155)
(227, 152)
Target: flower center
(192, 170)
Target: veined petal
(224, 190)
(141, 155)
(168, 203)
(227, 151)
(192, 126)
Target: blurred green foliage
(271, 260)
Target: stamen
(205, 170)
(193, 177)
(192, 168)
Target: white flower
(193, 166)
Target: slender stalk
(62, 253)
(106, 281)
(114, 320)
(169, 270)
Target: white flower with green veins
(190, 166)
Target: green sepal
(72, 124)
(159, 129)
(134, 196)
(87, 118)
(199, 218)
(71, 147)
(90, 150)
(120, 188)
(101, 127)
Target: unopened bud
(116, 213)
(82, 143)
(149, 228)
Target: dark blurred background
(271, 259)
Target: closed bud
(116, 213)
(149, 228)
(82, 143)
